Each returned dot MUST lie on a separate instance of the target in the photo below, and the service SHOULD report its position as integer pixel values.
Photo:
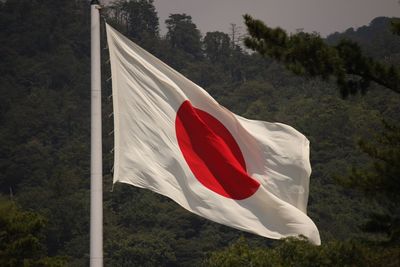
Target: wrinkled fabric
(147, 95)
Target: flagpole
(96, 164)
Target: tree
(235, 35)
(139, 18)
(217, 46)
(307, 54)
(21, 240)
(183, 34)
(381, 181)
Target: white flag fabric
(173, 138)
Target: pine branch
(308, 54)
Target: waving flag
(173, 138)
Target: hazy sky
(323, 16)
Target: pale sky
(323, 16)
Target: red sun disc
(212, 153)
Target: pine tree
(307, 54)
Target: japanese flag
(173, 138)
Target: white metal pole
(96, 164)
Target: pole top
(94, 2)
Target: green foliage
(183, 34)
(217, 46)
(381, 180)
(308, 55)
(143, 249)
(21, 240)
(137, 18)
(383, 177)
(395, 24)
(298, 252)
(43, 151)
(382, 47)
